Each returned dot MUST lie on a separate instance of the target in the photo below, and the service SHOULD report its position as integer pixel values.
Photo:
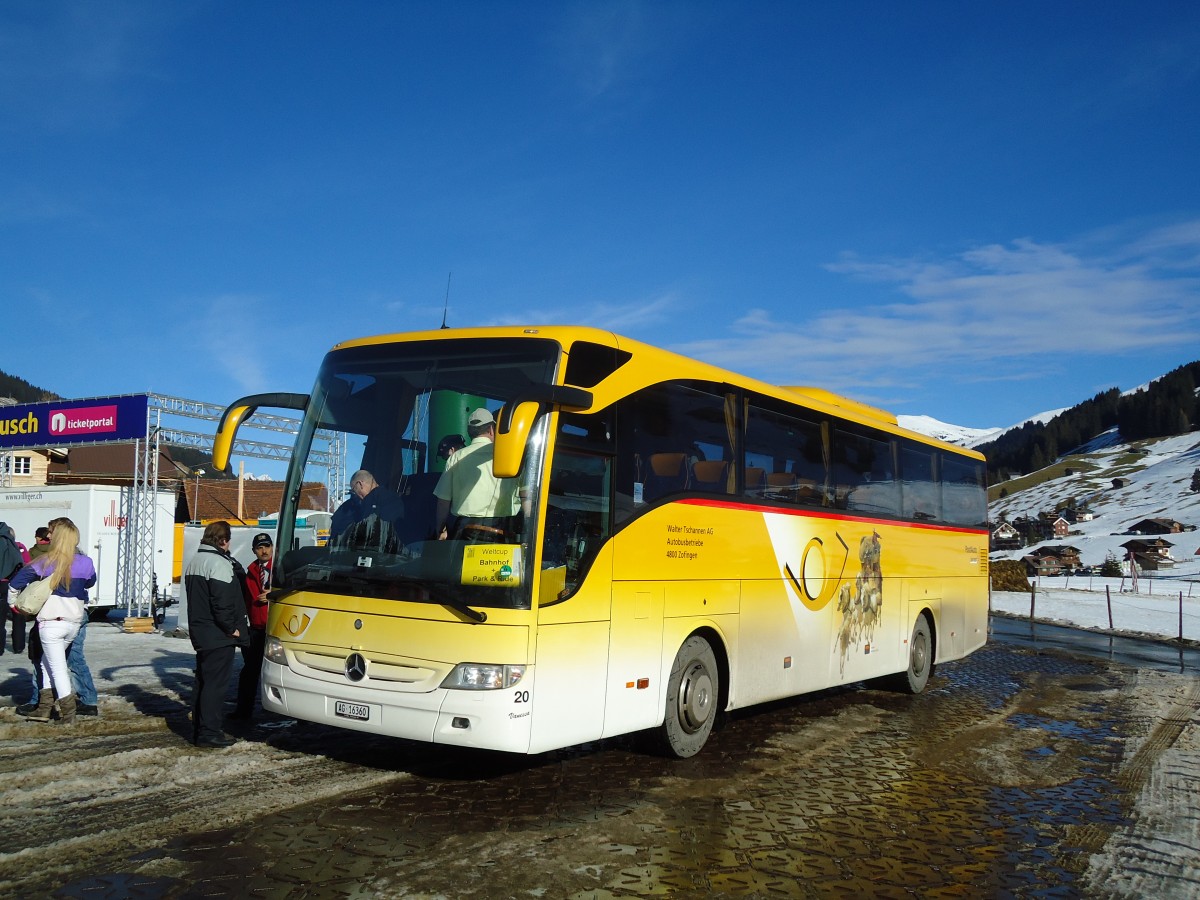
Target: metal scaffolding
(135, 580)
(137, 550)
(135, 563)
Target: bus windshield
(382, 411)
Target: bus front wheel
(692, 695)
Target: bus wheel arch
(697, 692)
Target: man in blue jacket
(217, 624)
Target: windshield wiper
(437, 593)
(478, 616)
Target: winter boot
(44, 708)
(66, 710)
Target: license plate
(351, 710)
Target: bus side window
(666, 431)
(864, 473)
(578, 501)
(578, 517)
(919, 490)
(783, 456)
(964, 497)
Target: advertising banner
(61, 423)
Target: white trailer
(241, 540)
(98, 511)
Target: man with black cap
(259, 578)
(472, 501)
(449, 445)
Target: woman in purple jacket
(70, 574)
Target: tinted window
(784, 457)
(864, 473)
(964, 491)
(675, 439)
(920, 498)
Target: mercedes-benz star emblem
(356, 667)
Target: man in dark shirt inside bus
(367, 497)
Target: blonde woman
(70, 574)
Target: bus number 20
(520, 696)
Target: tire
(693, 692)
(920, 659)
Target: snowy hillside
(1158, 475)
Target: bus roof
(648, 364)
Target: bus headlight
(274, 651)
(482, 677)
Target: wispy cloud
(603, 44)
(606, 48)
(26, 204)
(1002, 312)
(65, 67)
(619, 317)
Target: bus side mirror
(509, 450)
(518, 416)
(238, 412)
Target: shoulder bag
(31, 600)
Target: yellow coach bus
(682, 541)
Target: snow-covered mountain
(960, 434)
(951, 434)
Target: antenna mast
(446, 307)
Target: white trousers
(56, 636)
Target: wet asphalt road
(1009, 777)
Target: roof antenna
(446, 308)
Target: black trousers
(18, 623)
(214, 668)
(252, 660)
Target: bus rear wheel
(920, 659)
(692, 696)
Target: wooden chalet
(1157, 526)
(1005, 537)
(1150, 554)
(1053, 560)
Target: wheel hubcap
(695, 698)
(920, 654)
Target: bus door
(575, 587)
(633, 692)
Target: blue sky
(970, 211)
